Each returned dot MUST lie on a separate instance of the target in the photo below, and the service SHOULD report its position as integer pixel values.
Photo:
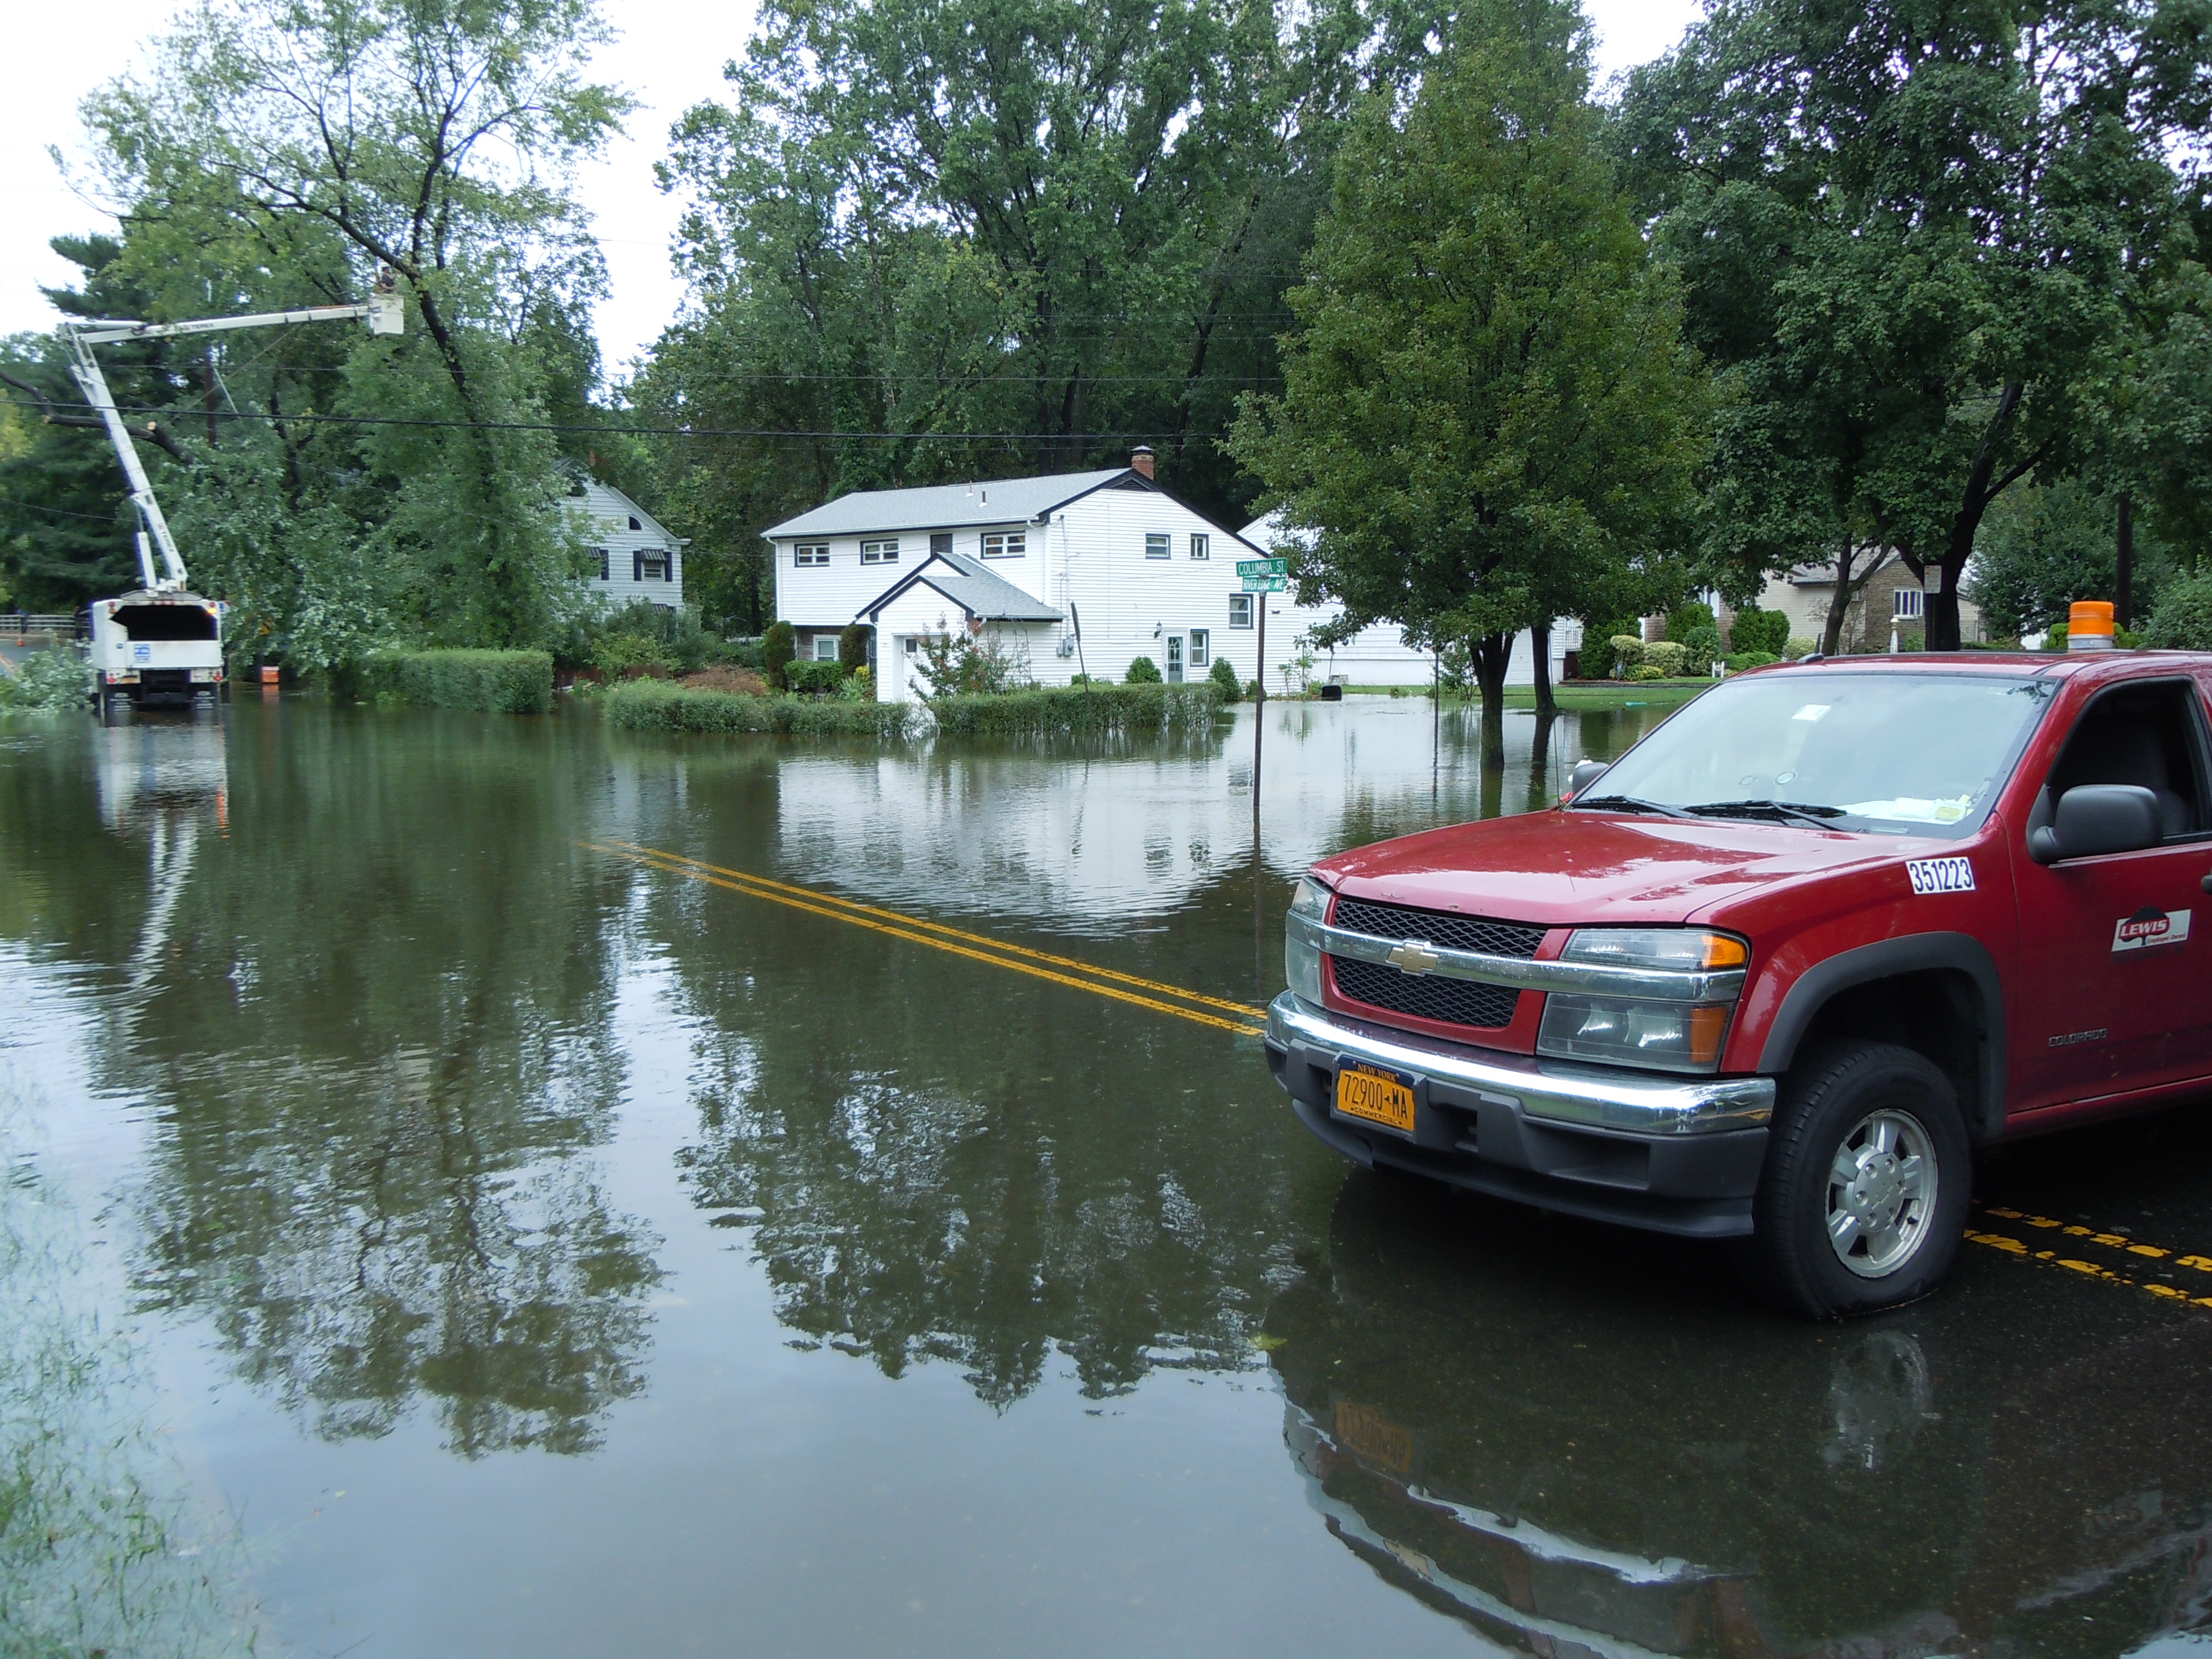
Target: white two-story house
(638, 558)
(1083, 572)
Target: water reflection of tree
(376, 1038)
(958, 1169)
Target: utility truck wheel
(1862, 1202)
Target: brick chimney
(1140, 460)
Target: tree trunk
(1540, 655)
(1491, 652)
(2124, 590)
(1840, 602)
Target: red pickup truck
(1776, 972)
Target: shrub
(1143, 671)
(616, 652)
(1755, 631)
(852, 646)
(1059, 710)
(1644, 670)
(492, 682)
(1737, 661)
(1691, 617)
(659, 706)
(2183, 621)
(776, 652)
(1251, 690)
(1627, 650)
(744, 653)
(1598, 654)
(671, 639)
(1665, 655)
(814, 678)
(1700, 646)
(2054, 637)
(1798, 646)
(55, 677)
(1225, 680)
(859, 686)
(968, 665)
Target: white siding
(605, 513)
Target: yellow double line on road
(2062, 1232)
(976, 947)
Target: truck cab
(149, 646)
(1779, 970)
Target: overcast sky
(668, 56)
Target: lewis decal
(1941, 875)
(2149, 929)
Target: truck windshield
(1900, 753)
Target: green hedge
(815, 676)
(494, 681)
(1081, 709)
(658, 706)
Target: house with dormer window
(1075, 573)
(637, 558)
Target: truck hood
(1560, 868)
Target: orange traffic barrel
(270, 673)
(2089, 625)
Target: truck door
(2114, 950)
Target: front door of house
(1175, 659)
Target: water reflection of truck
(1635, 1478)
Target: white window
(1005, 543)
(810, 553)
(1200, 643)
(1155, 545)
(1909, 602)
(1201, 545)
(1240, 610)
(878, 552)
(651, 567)
(825, 647)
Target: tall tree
(1489, 418)
(280, 153)
(1911, 230)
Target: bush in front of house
(852, 646)
(617, 653)
(1061, 710)
(1647, 671)
(1799, 646)
(1667, 656)
(1143, 671)
(490, 682)
(1225, 680)
(1755, 631)
(815, 679)
(660, 705)
(1738, 661)
(1597, 659)
(2183, 621)
(778, 647)
(1627, 651)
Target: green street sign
(1265, 584)
(1248, 569)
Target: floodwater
(467, 1210)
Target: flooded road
(499, 1186)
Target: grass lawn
(1579, 694)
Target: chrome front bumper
(1552, 1091)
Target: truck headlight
(1302, 959)
(1664, 1035)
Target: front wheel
(1862, 1202)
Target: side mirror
(1585, 774)
(2094, 819)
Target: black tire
(1856, 1096)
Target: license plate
(1385, 1098)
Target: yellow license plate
(1379, 1097)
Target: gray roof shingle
(946, 507)
(981, 592)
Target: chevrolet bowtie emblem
(1414, 956)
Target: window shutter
(637, 565)
(603, 564)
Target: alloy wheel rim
(1882, 1193)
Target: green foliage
(777, 649)
(1669, 657)
(745, 653)
(1225, 680)
(1919, 251)
(1647, 671)
(617, 653)
(671, 639)
(659, 706)
(1488, 418)
(2042, 547)
(2183, 621)
(1737, 661)
(1135, 707)
(1798, 646)
(54, 678)
(493, 682)
(852, 646)
(1142, 672)
(1758, 632)
(816, 678)
(859, 686)
(1627, 649)
(1688, 617)
(965, 665)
